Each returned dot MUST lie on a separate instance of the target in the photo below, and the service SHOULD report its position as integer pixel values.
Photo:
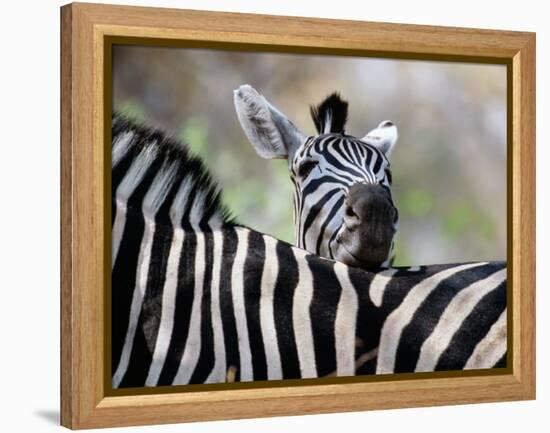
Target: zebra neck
(155, 178)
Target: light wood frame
(85, 400)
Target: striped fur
(197, 298)
(343, 207)
(341, 161)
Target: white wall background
(29, 229)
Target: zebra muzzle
(368, 226)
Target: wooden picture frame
(87, 34)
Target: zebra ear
(269, 130)
(383, 137)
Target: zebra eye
(306, 167)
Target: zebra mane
(330, 115)
(179, 188)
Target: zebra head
(343, 207)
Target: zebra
(199, 298)
(343, 206)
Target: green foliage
(416, 202)
(465, 220)
(458, 218)
(133, 109)
(194, 133)
(245, 195)
(401, 253)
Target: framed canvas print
(266, 215)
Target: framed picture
(266, 215)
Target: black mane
(330, 116)
(171, 157)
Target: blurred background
(449, 164)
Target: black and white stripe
(197, 298)
(341, 161)
(343, 207)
